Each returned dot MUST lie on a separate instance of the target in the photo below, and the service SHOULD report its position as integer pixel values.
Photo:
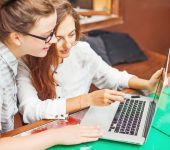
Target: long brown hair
(21, 15)
(42, 69)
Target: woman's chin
(41, 54)
(65, 55)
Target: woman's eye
(46, 35)
(73, 34)
(58, 39)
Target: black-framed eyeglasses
(7, 2)
(46, 39)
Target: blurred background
(147, 21)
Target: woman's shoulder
(21, 63)
(81, 45)
(82, 48)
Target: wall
(148, 22)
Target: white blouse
(75, 76)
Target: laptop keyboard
(128, 117)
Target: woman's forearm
(39, 141)
(138, 83)
(77, 103)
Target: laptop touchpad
(100, 115)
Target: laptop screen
(161, 119)
(163, 81)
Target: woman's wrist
(84, 101)
(89, 99)
(147, 85)
(50, 134)
(78, 103)
(138, 83)
(57, 136)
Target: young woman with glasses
(59, 83)
(27, 28)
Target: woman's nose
(67, 44)
(53, 39)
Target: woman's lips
(46, 48)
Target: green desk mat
(162, 116)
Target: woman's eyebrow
(72, 31)
(48, 32)
(59, 36)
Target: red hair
(42, 71)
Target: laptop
(127, 121)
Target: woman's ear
(15, 38)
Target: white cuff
(125, 79)
(55, 109)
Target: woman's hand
(153, 81)
(105, 97)
(77, 134)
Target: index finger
(118, 93)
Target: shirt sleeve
(31, 107)
(106, 76)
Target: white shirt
(75, 76)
